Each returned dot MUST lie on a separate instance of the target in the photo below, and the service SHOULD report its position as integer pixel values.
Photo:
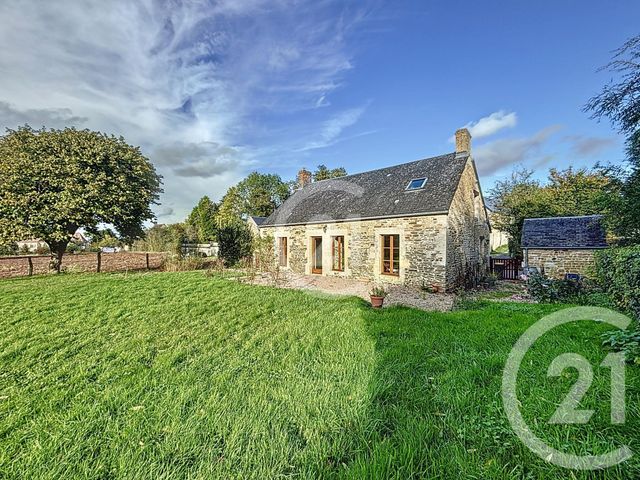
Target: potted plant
(377, 295)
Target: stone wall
(422, 248)
(468, 247)
(555, 263)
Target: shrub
(73, 248)
(549, 290)
(42, 250)
(627, 341)
(490, 280)
(8, 248)
(235, 242)
(617, 270)
(264, 255)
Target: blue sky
(212, 90)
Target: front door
(316, 254)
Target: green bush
(73, 248)
(549, 290)
(627, 341)
(235, 242)
(8, 248)
(617, 270)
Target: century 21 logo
(568, 412)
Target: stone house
(562, 245)
(422, 224)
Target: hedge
(617, 270)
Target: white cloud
(333, 128)
(495, 155)
(185, 81)
(492, 124)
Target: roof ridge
(384, 168)
(568, 216)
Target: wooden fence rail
(29, 265)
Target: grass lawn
(180, 375)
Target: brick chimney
(304, 178)
(463, 141)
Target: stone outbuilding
(562, 245)
(421, 224)
(254, 224)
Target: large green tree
(202, 220)
(53, 182)
(259, 195)
(324, 173)
(619, 101)
(565, 193)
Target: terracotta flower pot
(376, 302)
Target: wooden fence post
(30, 266)
(99, 261)
(147, 258)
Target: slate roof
(258, 220)
(375, 194)
(564, 232)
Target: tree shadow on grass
(407, 415)
(436, 409)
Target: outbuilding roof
(378, 193)
(258, 220)
(584, 232)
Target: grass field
(181, 375)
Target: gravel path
(397, 295)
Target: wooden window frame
(340, 240)
(392, 246)
(283, 251)
(313, 254)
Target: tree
(202, 220)
(257, 195)
(323, 173)
(620, 103)
(53, 182)
(234, 242)
(566, 193)
(582, 191)
(231, 208)
(515, 199)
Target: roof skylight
(416, 183)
